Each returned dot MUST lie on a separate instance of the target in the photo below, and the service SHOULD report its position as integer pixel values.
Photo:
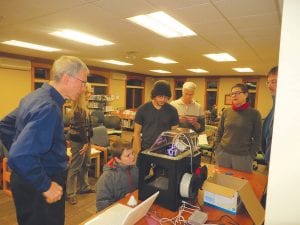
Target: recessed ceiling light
(160, 71)
(116, 62)
(81, 37)
(162, 24)
(243, 70)
(198, 70)
(162, 60)
(30, 45)
(220, 57)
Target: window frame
(34, 80)
(251, 91)
(97, 84)
(216, 90)
(134, 88)
(178, 87)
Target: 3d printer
(168, 167)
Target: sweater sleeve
(78, 124)
(104, 192)
(220, 131)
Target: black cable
(223, 222)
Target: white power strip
(197, 218)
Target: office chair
(100, 138)
(100, 135)
(97, 118)
(112, 122)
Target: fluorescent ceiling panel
(30, 45)
(160, 71)
(198, 70)
(221, 57)
(243, 70)
(162, 60)
(81, 37)
(116, 62)
(162, 24)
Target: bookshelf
(101, 102)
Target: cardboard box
(228, 192)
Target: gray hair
(70, 65)
(189, 86)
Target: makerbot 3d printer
(168, 167)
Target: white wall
(284, 175)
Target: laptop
(120, 214)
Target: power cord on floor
(224, 220)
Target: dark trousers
(31, 206)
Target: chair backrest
(100, 136)
(97, 118)
(112, 122)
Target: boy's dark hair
(243, 87)
(119, 146)
(161, 88)
(273, 71)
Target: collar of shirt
(182, 103)
(54, 93)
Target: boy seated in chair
(120, 175)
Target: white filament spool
(185, 185)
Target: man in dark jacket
(38, 156)
(267, 129)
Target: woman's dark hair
(243, 87)
(119, 146)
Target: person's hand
(182, 119)
(192, 119)
(54, 193)
(101, 148)
(196, 125)
(84, 149)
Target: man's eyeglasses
(271, 82)
(236, 93)
(83, 83)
